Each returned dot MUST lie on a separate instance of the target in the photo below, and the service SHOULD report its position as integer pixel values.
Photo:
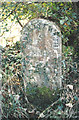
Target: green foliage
(41, 98)
(12, 108)
(62, 13)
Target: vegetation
(41, 102)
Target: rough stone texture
(41, 52)
(0, 85)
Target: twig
(3, 72)
(19, 22)
(48, 108)
(2, 34)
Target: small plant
(41, 97)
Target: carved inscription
(41, 50)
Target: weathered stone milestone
(41, 51)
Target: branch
(2, 34)
(42, 114)
(19, 22)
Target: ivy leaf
(70, 86)
(66, 18)
(7, 30)
(61, 4)
(12, 19)
(42, 115)
(59, 112)
(62, 22)
(76, 98)
(60, 107)
(0, 76)
(69, 105)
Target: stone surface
(0, 85)
(41, 51)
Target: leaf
(66, 18)
(60, 107)
(70, 86)
(42, 115)
(16, 97)
(61, 22)
(76, 98)
(12, 19)
(61, 4)
(69, 105)
(59, 112)
(7, 30)
(2, 14)
(0, 76)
